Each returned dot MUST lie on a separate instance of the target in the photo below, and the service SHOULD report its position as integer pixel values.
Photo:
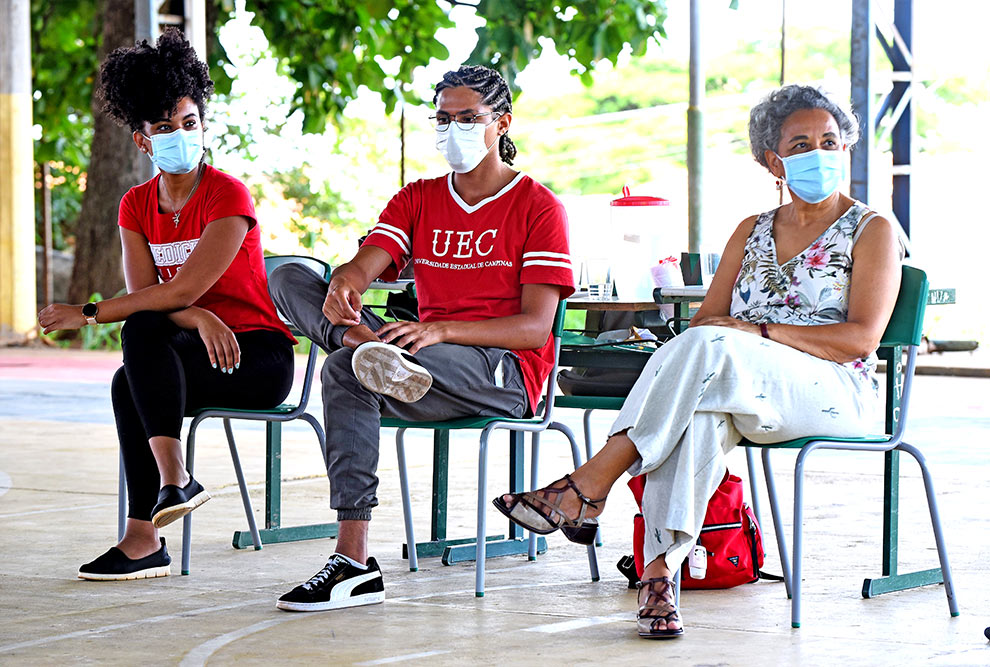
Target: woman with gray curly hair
(782, 347)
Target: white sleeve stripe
(558, 255)
(393, 228)
(402, 246)
(539, 262)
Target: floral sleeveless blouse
(811, 288)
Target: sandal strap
(659, 598)
(538, 503)
(583, 498)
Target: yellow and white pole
(17, 253)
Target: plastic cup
(709, 264)
(598, 273)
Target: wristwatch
(89, 311)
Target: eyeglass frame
(443, 127)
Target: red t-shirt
(240, 296)
(470, 262)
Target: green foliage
(589, 31)
(64, 41)
(332, 49)
(313, 209)
(67, 183)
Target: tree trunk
(113, 169)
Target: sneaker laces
(321, 577)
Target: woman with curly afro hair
(207, 334)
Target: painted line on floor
(578, 623)
(56, 509)
(465, 573)
(199, 655)
(489, 589)
(222, 491)
(124, 626)
(402, 658)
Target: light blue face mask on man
(177, 152)
(815, 175)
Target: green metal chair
(274, 418)
(482, 547)
(903, 331)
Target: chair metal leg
(534, 484)
(778, 523)
(587, 434)
(242, 485)
(677, 590)
(576, 456)
(121, 498)
(479, 554)
(798, 520)
(187, 520)
(753, 490)
(589, 452)
(400, 450)
(943, 555)
(314, 422)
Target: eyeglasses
(464, 121)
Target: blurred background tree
(331, 51)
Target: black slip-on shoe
(338, 585)
(174, 502)
(114, 565)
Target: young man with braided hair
(489, 251)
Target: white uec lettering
(465, 241)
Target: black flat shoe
(114, 565)
(174, 502)
(536, 511)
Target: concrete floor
(58, 467)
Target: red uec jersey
(470, 262)
(240, 296)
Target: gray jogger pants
(464, 385)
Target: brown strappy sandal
(658, 608)
(529, 510)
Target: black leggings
(167, 373)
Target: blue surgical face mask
(177, 152)
(815, 175)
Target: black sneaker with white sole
(175, 502)
(338, 585)
(114, 565)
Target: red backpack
(730, 536)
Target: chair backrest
(905, 326)
(322, 269)
(558, 319)
(318, 266)
(557, 331)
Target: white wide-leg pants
(703, 390)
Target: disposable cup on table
(599, 278)
(709, 264)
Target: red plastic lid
(628, 200)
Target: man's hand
(726, 321)
(413, 336)
(343, 303)
(60, 316)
